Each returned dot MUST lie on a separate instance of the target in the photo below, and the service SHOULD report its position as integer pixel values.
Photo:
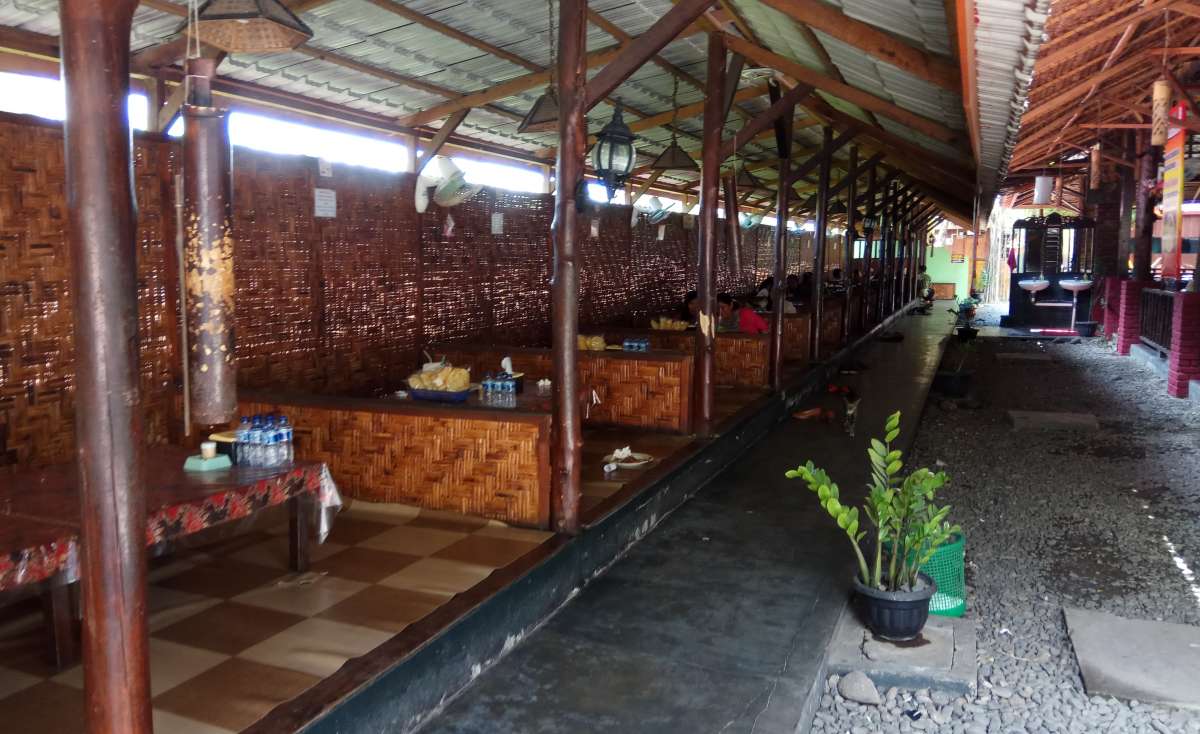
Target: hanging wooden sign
(1172, 197)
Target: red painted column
(1129, 318)
(1183, 364)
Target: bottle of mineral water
(255, 441)
(241, 446)
(270, 442)
(288, 453)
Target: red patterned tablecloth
(39, 509)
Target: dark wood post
(848, 241)
(783, 134)
(1147, 174)
(817, 309)
(208, 251)
(710, 175)
(1128, 194)
(733, 232)
(108, 411)
(868, 233)
(564, 284)
(885, 250)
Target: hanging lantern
(1160, 112)
(542, 116)
(1094, 168)
(868, 223)
(249, 26)
(747, 180)
(613, 155)
(1043, 189)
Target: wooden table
(40, 520)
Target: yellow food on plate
(447, 379)
(666, 323)
(591, 343)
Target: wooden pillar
(564, 284)
(782, 202)
(108, 411)
(817, 309)
(1128, 194)
(208, 252)
(1147, 175)
(868, 233)
(885, 251)
(732, 230)
(710, 175)
(848, 240)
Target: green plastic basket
(946, 568)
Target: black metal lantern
(869, 223)
(249, 26)
(613, 155)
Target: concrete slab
(1137, 659)
(1194, 391)
(943, 659)
(1024, 357)
(1043, 420)
(1150, 358)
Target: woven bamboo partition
(831, 321)
(643, 389)
(741, 360)
(475, 462)
(796, 336)
(37, 306)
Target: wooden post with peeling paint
(208, 252)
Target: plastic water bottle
(285, 440)
(241, 445)
(270, 443)
(255, 441)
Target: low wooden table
(40, 520)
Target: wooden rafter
(870, 40)
(435, 25)
(866, 100)
(784, 105)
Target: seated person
(835, 277)
(736, 317)
(690, 307)
(926, 285)
(793, 288)
(762, 295)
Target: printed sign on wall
(324, 203)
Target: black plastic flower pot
(1086, 328)
(895, 615)
(953, 384)
(967, 333)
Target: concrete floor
(717, 621)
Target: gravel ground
(1093, 520)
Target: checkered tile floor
(233, 633)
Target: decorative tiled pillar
(1129, 318)
(1183, 364)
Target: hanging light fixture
(543, 115)
(613, 155)
(674, 158)
(1094, 168)
(747, 180)
(249, 26)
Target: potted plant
(892, 592)
(965, 319)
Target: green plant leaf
(791, 474)
(894, 467)
(891, 436)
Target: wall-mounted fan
(750, 221)
(450, 187)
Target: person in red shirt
(737, 317)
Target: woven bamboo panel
(497, 469)
(646, 391)
(37, 306)
(520, 288)
(831, 321)
(643, 392)
(741, 360)
(796, 336)
(661, 270)
(604, 296)
(276, 271)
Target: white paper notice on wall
(662, 232)
(324, 203)
(324, 167)
(497, 223)
(595, 227)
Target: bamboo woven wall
(741, 360)
(644, 390)
(490, 468)
(37, 305)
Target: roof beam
(960, 17)
(1087, 35)
(644, 47)
(786, 104)
(443, 134)
(872, 41)
(866, 100)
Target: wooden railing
(1157, 309)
